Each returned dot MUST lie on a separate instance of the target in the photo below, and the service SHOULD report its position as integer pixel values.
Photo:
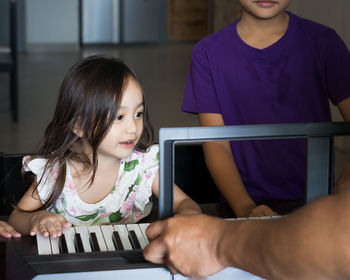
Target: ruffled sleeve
(148, 170)
(44, 179)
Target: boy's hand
(48, 224)
(261, 211)
(8, 231)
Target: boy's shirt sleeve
(200, 93)
(337, 69)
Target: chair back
(13, 182)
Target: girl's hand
(48, 224)
(187, 212)
(8, 231)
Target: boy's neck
(262, 33)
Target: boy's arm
(344, 179)
(222, 167)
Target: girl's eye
(118, 117)
(139, 114)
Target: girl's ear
(78, 131)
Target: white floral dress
(127, 202)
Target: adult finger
(172, 268)
(155, 251)
(155, 230)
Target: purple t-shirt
(288, 82)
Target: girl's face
(264, 9)
(127, 127)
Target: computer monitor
(319, 174)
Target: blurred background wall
(53, 34)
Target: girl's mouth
(128, 144)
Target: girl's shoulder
(39, 167)
(152, 153)
(45, 176)
(34, 164)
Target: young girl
(96, 165)
(269, 66)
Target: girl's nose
(131, 126)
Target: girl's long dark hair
(88, 100)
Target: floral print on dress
(127, 202)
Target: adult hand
(48, 224)
(186, 244)
(7, 230)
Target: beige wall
(224, 12)
(333, 13)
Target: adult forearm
(312, 243)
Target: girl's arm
(44, 222)
(183, 204)
(223, 169)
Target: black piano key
(94, 243)
(78, 243)
(63, 244)
(117, 241)
(134, 241)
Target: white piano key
(69, 234)
(107, 232)
(99, 236)
(143, 227)
(137, 230)
(43, 245)
(123, 233)
(55, 249)
(241, 219)
(85, 238)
